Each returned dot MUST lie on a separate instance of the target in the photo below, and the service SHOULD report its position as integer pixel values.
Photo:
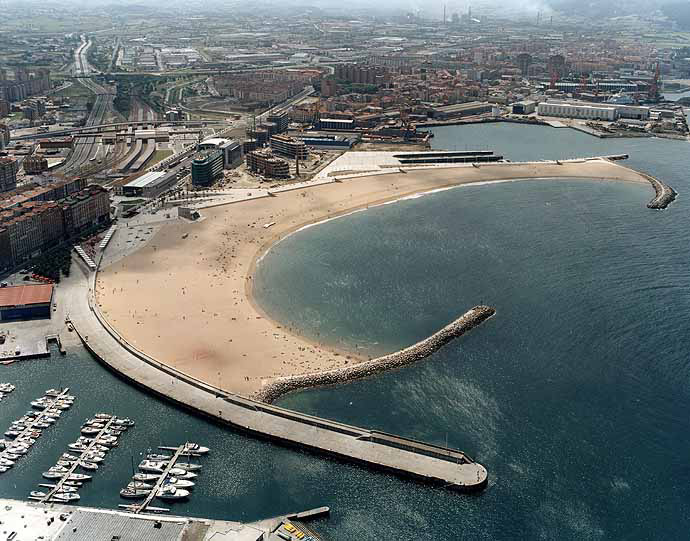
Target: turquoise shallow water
(575, 395)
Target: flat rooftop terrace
(25, 295)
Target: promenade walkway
(392, 453)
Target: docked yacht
(170, 492)
(146, 477)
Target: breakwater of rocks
(416, 352)
(665, 195)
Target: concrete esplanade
(427, 462)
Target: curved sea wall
(665, 195)
(416, 352)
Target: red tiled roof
(23, 295)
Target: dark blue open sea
(575, 395)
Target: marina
(104, 430)
(23, 433)
(172, 479)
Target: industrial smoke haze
(677, 10)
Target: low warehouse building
(25, 302)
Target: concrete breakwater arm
(280, 386)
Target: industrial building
(330, 142)
(207, 167)
(25, 302)
(335, 124)
(460, 110)
(265, 163)
(289, 147)
(150, 184)
(524, 107)
(593, 111)
(232, 150)
(570, 110)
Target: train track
(83, 147)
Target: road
(82, 67)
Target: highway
(82, 68)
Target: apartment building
(8, 174)
(289, 147)
(265, 163)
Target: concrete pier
(396, 454)
(276, 388)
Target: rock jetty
(280, 386)
(665, 195)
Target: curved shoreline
(416, 352)
(246, 352)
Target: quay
(57, 522)
(406, 457)
(27, 347)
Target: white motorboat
(11, 456)
(187, 466)
(63, 488)
(145, 477)
(139, 485)
(123, 421)
(6, 388)
(64, 497)
(96, 458)
(134, 493)
(88, 465)
(89, 430)
(158, 457)
(52, 475)
(170, 492)
(182, 474)
(152, 466)
(103, 416)
(15, 450)
(195, 448)
(179, 483)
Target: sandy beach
(184, 298)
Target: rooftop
(145, 180)
(25, 295)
